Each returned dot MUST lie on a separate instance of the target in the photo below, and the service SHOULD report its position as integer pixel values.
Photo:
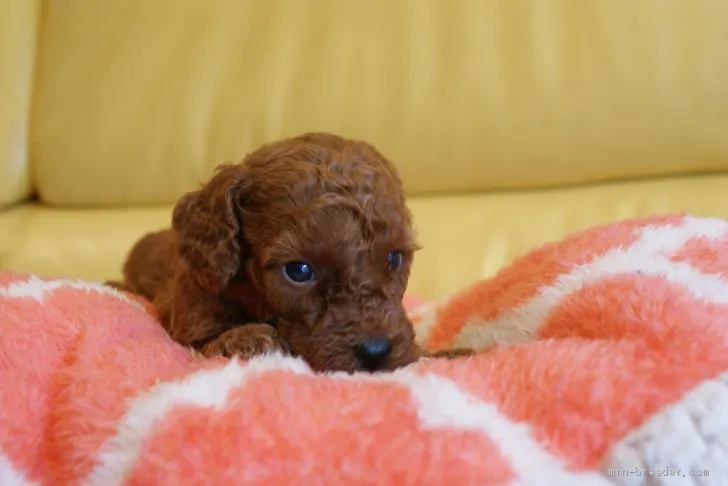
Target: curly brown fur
(218, 277)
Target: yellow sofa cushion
(18, 33)
(465, 237)
(137, 100)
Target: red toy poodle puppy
(304, 247)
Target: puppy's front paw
(245, 341)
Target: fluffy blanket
(612, 369)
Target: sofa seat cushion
(465, 237)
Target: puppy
(305, 247)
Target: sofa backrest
(18, 35)
(137, 101)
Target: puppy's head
(311, 234)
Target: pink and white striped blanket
(612, 369)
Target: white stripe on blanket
(649, 255)
(10, 476)
(35, 288)
(442, 404)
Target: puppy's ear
(209, 228)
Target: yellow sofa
(513, 122)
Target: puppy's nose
(373, 352)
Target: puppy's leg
(245, 341)
(453, 353)
(446, 353)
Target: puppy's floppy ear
(209, 228)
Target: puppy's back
(150, 264)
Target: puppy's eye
(394, 260)
(298, 272)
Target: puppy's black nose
(373, 352)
